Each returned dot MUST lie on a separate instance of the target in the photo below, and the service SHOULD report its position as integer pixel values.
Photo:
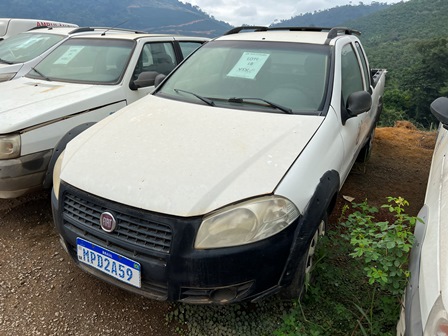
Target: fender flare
(321, 203)
(60, 147)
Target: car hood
(185, 159)
(26, 102)
(7, 68)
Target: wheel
(366, 151)
(303, 276)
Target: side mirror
(358, 102)
(439, 109)
(144, 79)
(159, 79)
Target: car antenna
(104, 33)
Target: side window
(188, 47)
(365, 68)
(156, 56)
(351, 73)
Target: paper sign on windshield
(248, 65)
(69, 55)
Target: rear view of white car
(13, 26)
(426, 300)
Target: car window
(351, 73)
(81, 60)
(292, 75)
(156, 56)
(188, 47)
(365, 68)
(26, 46)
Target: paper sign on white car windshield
(248, 65)
(69, 55)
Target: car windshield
(269, 76)
(86, 60)
(23, 47)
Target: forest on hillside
(410, 40)
(167, 16)
(332, 17)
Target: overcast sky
(264, 12)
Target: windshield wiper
(204, 99)
(271, 104)
(5, 61)
(41, 74)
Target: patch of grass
(342, 300)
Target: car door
(354, 130)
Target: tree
(427, 78)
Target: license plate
(109, 262)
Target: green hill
(332, 17)
(410, 39)
(167, 16)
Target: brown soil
(43, 293)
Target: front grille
(132, 229)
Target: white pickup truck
(83, 80)
(13, 26)
(216, 187)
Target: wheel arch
(320, 205)
(59, 148)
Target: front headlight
(246, 222)
(9, 146)
(437, 323)
(57, 175)
(7, 76)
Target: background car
(21, 52)
(85, 79)
(13, 26)
(426, 298)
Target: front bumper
(24, 174)
(171, 269)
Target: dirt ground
(43, 293)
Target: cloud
(255, 12)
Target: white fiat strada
(215, 188)
(83, 80)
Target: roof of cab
(134, 36)
(313, 35)
(80, 30)
(52, 30)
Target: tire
(303, 275)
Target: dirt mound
(399, 166)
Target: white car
(214, 188)
(425, 311)
(83, 80)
